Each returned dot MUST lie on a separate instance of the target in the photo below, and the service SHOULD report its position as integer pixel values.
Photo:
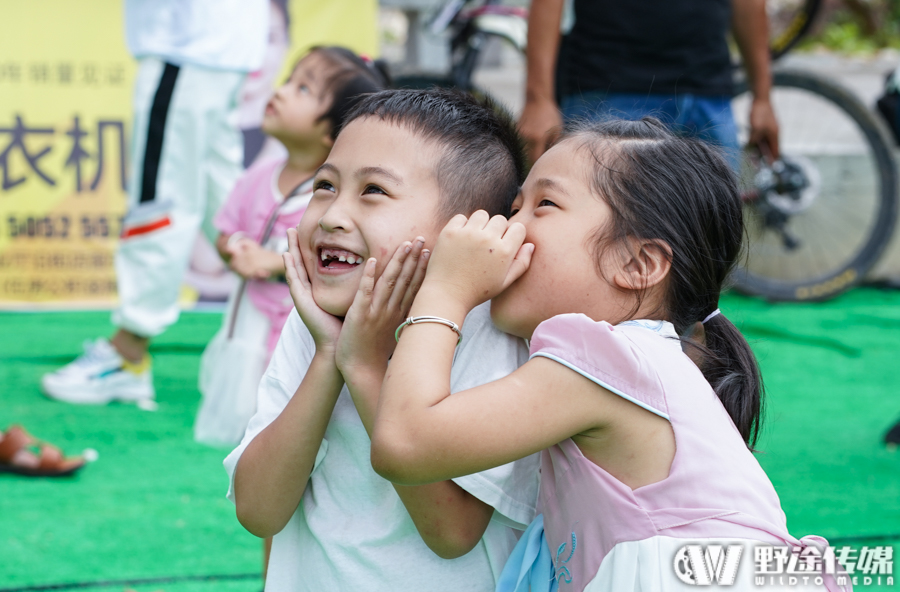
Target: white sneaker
(99, 376)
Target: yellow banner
(351, 23)
(66, 80)
(65, 95)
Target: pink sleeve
(603, 354)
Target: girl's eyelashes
(516, 206)
(374, 189)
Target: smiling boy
(405, 162)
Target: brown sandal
(22, 454)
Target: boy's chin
(333, 304)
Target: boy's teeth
(351, 259)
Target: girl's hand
(325, 328)
(367, 336)
(478, 257)
(248, 260)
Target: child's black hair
(683, 192)
(350, 78)
(483, 163)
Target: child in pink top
(304, 114)
(643, 397)
(256, 202)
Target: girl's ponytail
(730, 367)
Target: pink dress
(601, 534)
(252, 201)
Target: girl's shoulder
(578, 333)
(257, 177)
(622, 358)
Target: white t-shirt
(221, 34)
(351, 531)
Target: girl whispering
(619, 245)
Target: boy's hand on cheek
(476, 258)
(367, 336)
(325, 328)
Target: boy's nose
(327, 226)
(335, 219)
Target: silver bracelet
(427, 319)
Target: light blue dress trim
(594, 379)
(529, 567)
(664, 328)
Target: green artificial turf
(153, 505)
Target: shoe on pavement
(100, 375)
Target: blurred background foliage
(856, 26)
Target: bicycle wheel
(485, 63)
(817, 230)
(789, 21)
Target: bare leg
(131, 347)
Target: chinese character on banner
(107, 134)
(39, 72)
(78, 153)
(17, 135)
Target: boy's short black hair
(483, 162)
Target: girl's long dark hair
(682, 192)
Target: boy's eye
(513, 211)
(303, 88)
(324, 185)
(546, 202)
(374, 189)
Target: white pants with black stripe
(186, 155)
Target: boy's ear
(642, 264)
(328, 140)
